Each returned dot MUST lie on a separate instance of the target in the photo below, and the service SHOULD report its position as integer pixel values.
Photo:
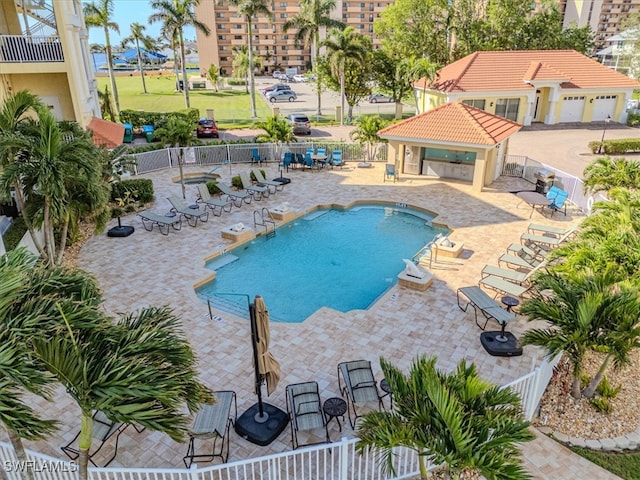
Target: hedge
(633, 119)
(616, 147)
(157, 119)
(141, 188)
(14, 234)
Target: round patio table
(334, 407)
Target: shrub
(141, 189)
(236, 182)
(606, 390)
(157, 119)
(601, 404)
(236, 81)
(212, 186)
(616, 147)
(633, 119)
(14, 234)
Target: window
(237, 37)
(237, 25)
(508, 108)
(478, 103)
(345, 15)
(284, 48)
(219, 15)
(285, 37)
(285, 59)
(283, 15)
(223, 47)
(283, 4)
(224, 59)
(361, 15)
(222, 37)
(221, 26)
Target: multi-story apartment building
(276, 47)
(44, 49)
(605, 17)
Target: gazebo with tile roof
(455, 141)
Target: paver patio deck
(152, 269)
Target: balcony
(30, 49)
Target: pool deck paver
(152, 269)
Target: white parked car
(299, 79)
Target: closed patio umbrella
(268, 366)
(262, 422)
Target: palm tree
(29, 295)
(99, 14)
(241, 64)
(366, 133)
(277, 131)
(60, 174)
(139, 370)
(250, 9)
(608, 239)
(178, 133)
(106, 103)
(18, 369)
(314, 15)
(136, 38)
(577, 308)
(213, 74)
(15, 113)
(175, 15)
(606, 173)
(456, 420)
(342, 47)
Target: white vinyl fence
(334, 461)
(216, 156)
(525, 167)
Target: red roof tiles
(455, 123)
(510, 70)
(105, 133)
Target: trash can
(148, 132)
(128, 133)
(544, 180)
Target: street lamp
(604, 130)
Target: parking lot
(307, 101)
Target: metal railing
(30, 49)
(334, 461)
(217, 155)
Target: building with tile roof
(549, 86)
(454, 140)
(105, 133)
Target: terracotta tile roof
(509, 70)
(105, 133)
(455, 123)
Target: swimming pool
(342, 259)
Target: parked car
(281, 96)
(380, 98)
(300, 123)
(206, 128)
(276, 87)
(299, 78)
(276, 74)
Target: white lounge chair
(217, 205)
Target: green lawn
(625, 465)
(232, 108)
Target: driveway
(565, 147)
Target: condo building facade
(44, 49)
(277, 48)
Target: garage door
(603, 106)
(572, 108)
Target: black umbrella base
(498, 346)
(250, 427)
(283, 180)
(123, 231)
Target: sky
(126, 12)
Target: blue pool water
(342, 259)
